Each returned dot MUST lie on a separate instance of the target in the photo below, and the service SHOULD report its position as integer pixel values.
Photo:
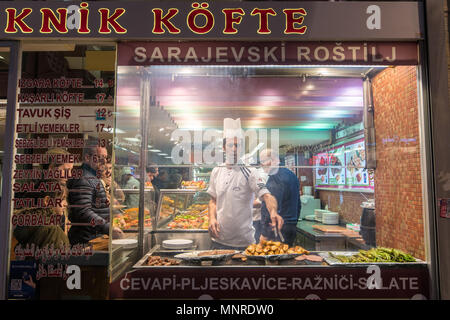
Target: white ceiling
(305, 103)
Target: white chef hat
(126, 170)
(232, 128)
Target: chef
(233, 188)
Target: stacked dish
(330, 217)
(318, 213)
(177, 244)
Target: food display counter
(178, 214)
(127, 218)
(181, 214)
(309, 275)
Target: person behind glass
(256, 212)
(44, 235)
(152, 174)
(89, 205)
(232, 188)
(167, 180)
(161, 180)
(62, 170)
(129, 182)
(285, 187)
(109, 184)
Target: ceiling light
(154, 150)
(161, 129)
(316, 126)
(162, 154)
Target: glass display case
(181, 214)
(125, 251)
(182, 209)
(127, 217)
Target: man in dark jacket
(283, 184)
(89, 211)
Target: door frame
(6, 192)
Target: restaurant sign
(294, 53)
(181, 20)
(361, 282)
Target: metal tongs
(278, 234)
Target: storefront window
(327, 139)
(192, 150)
(62, 170)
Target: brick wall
(398, 188)
(346, 203)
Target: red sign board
(251, 53)
(403, 282)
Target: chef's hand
(214, 228)
(117, 233)
(277, 221)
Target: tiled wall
(398, 188)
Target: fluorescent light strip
(279, 66)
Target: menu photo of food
(337, 166)
(355, 158)
(321, 164)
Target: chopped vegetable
(379, 254)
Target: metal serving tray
(142, 263)
(194, 257)
(333, 261)
(274, 257)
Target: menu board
(355, 162)
(64, 134)
(343, 167)
(321, 164)
(337, 166)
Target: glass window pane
(63, 164)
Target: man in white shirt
(233, 188)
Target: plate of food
(203, 255)
(273, 250)
(379, 255)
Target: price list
(57, 120)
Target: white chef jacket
(234, 189)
